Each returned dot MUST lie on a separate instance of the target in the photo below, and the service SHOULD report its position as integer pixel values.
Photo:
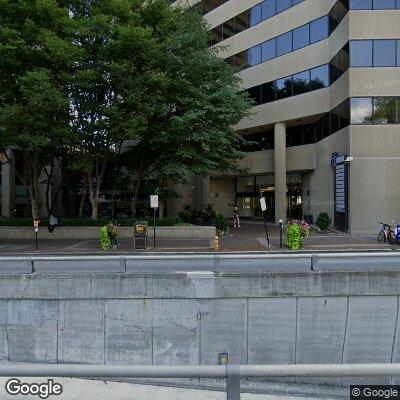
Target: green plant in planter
(105, 240)
(293, 237)
(221, 223)
(324, 221)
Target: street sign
(154, 201)
(263, 204)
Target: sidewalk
(251, 237)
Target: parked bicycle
(386, 234)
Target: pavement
(250, 237)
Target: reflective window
(242, 21)
(255, 15)
(284, 88)
(268, 9)
(361, 4)
(301, 83)
(384, 110)
(319, 29)
(268, 92)
(384, 4)
(344, 114)
(284, 44)
(255, 94)
(319, 77)
(254, 55)
(283, 5)
(361, 53)
(245, 184)
(269, 50)
(301, 37)
(361, 110)
(335, 125)
(384, 53)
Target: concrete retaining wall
(188, 318)
(87, 233)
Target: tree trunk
(95, 210)
(82, 203)
(161, 210)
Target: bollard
(216, 242)
(281, 233)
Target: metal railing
(231, 372)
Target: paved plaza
(251, 237)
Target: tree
(188, 97)
(37, 54)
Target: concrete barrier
(89, 232)
(188, 318)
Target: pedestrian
(236, 218)
(53, 222)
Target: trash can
(140, 235)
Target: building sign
(263, 204)
(338, 162)
(154, 201)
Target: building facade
(325, 133)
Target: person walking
(53, 222)
(236, 218)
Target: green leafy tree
(36, 55)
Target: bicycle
(386, 234)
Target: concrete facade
(373, 183)
(154, 318)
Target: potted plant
(113, 232)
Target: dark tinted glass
(301, 83)
(384, 53)
(301, 37)
(268, 8)
(384, 110)
(228, 28)
(344, 59)
(361, 53)
(319, 77)
(255, 15)
(361, 4)
(361, 110)
(269, 50)
(283, 5)
(319, 29)
(284, 44)
(254, 55)
(344, 114)
(335, 120)
(284, 88)
(384, 4)
(268, 92)
(255, 94)
(398, 52)
(242, 21)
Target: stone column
(7, 186)
(280, 171)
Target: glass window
(384, 111)
(361, 53)
(361, 110)
(284, 43)
(344, 114)
(398, 4)
(255, 94)
(242, 21)
(344, 59)
(334, 114)
(301, 37)
(334, 68)
(297, 2)
(268, 9)
(301, 83)
(268, 92)
(229, 28)
(241, 59)
(269, 50)
(319, 77)
(361, 4)
(284, 87)
(319, 29)
(384, 4)
(398, 52)
(384, 53)
(245, 184)
(254, 55)
(283, 5)
(255, 15)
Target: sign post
(263, 205)
(36, 226)
(154, 206)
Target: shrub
(105, 240)
(220, 222)
(293, 236)
(304, 227)
(324, 221)
(166, 221)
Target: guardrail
(200, 262)
(231, 372)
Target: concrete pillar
(280, 171)
(7, 186)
